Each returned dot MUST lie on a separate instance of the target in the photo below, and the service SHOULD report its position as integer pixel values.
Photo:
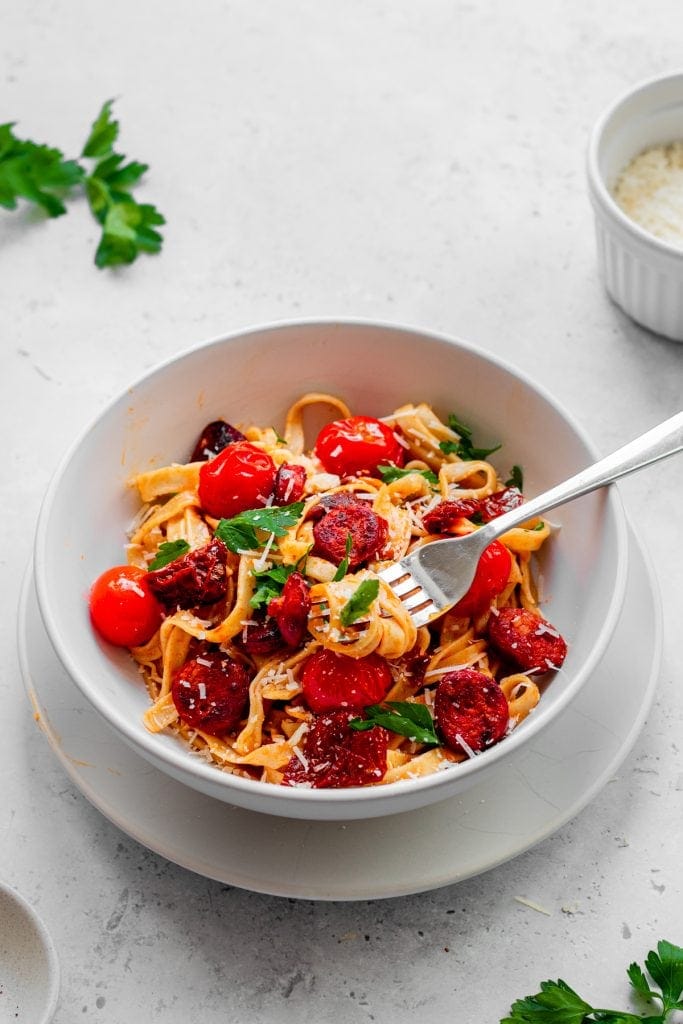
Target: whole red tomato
(123, 609)
(358, 444)
(334, 681)
(493, 572)
(240, 477)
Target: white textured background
(418, 163)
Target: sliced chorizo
(211, 692)
(470, 710)
(527, 640)
(367, 530)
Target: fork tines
(413, 596)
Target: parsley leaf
(270, 583)
(516, 478)
(359, 602)
(557, 1003)
(239, 533)
(168, 551)
(400, 716)
(343, 566)
(464, 448)
(34, 172)
(41, 175)
(128, 227)
(391, 473)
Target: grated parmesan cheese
(650, 191)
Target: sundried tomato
(336, 756)
(260, 636)
(290, 610)
(367, 530)
(443, 516)
(526, 639)
(211, 692)
(197, 578)
(494, 505)
(470, 710)
(290, 480)
(215, 436)
(331, 681)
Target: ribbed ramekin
(642, 273)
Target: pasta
(277, 653)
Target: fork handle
(658, 443)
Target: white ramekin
(642, 273)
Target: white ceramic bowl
(642, 273)
(253, 376)
(29, 968)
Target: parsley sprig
(168, 551)
(557, 1003)
(343, 566)
(359, 602)
(464, 448)
(249, 531)
(128, 227)
(269, 584)
(391, 473)
(400, 716)
(41, 175)
(34, 172)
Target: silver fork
(435, 576)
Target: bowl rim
(179, 759)
(599, 191)
(47, 944)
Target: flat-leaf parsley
(557, 1003)
(41, 175)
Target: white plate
(508, 812)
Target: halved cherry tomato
(333, 681)
(123, 609)
(357, 445)
(242, 476)
(493, 572)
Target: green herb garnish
(239, 533)
(41, 175)
(359, 602)
(516, 478)
(557, 1003)
(391, 473)
(34, 172)
(464, 448)
(270, 583)
(167, 552)
(343, 566)
(400, 716)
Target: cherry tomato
(123, 609)
(240, 477)
(357, 445)
(490, 578)
(333, 681)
